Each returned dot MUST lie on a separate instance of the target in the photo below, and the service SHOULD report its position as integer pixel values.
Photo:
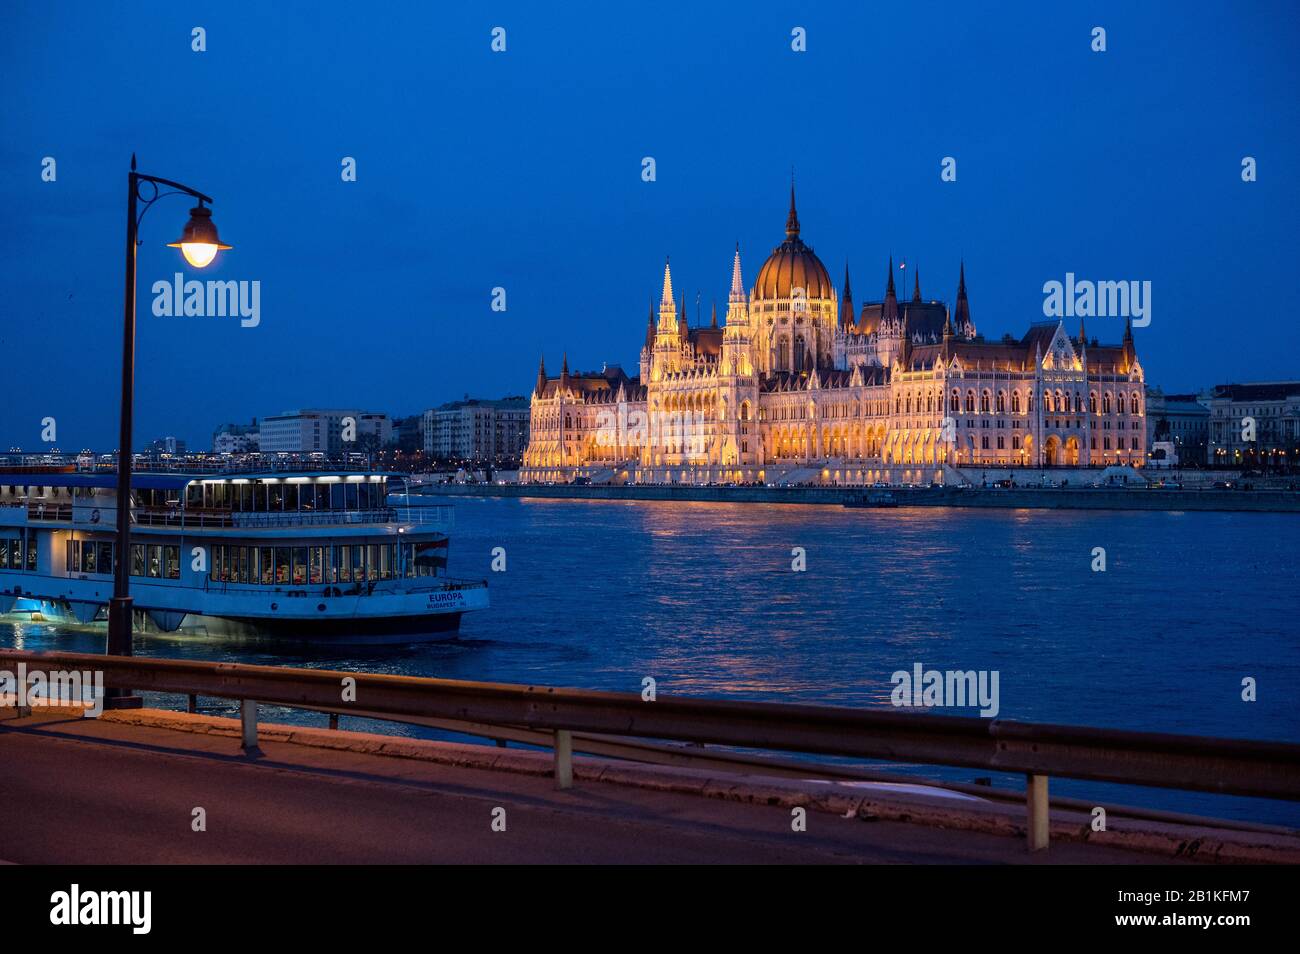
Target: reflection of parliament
(797, 386)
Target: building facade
(797, 386)
(478, 430)
(322, 431)
(1255, 425)
(235, 438)
(1178, 429)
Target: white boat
(335, 557)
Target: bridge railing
(1038, 751)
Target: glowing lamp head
(199, 242)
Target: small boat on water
(305, 557)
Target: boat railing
(44, 511)
(244, 519)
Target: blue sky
(522, 170)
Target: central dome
(792, 264)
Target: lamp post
(199, 244)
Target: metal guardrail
(1038, 751)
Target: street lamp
(199, 244)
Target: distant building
(408, 433)
(166, 447)
(235, 438)
(1273, 407)
(1181, 421)
(321, 431)
(796, 384)
(477, 430)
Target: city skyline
(523, 195)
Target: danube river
(703, 598)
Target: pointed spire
(668, 284)
(962, 318)
(650, 325)
(916, 289)
(714, 322)
(737, 293)
(792, 220)
(541, 375)
(889, 312)
(1129, 352)
(1083, 334)
(683, 328)
(564, 368)
(947, 324)
(846, 303)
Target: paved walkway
(77, 791)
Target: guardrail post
(1037, 805)
(248, 723)
(563, 758)
(192, 703)
(334, 720)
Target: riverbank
(1013, 498)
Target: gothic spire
(714, 322)
(890, 310)
(650, 325)
(846, 303)
(963, 305)
(737, 281)
(792, 220)
(916, 289)
(541, 375)
(668, 285)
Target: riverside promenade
(129, 788)
(1011, 498)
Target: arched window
(956, 401)
(1002, 401)
(798, 353)
(1015, 402)
(1092, 402)
(1105, 403)
(1134, 406)
(984, 402)
(783, 354)
(1048, 405)
(970, 402)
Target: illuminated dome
(792, 264)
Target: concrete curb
(1171, 841)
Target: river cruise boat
(335, 557)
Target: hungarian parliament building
(797, 385)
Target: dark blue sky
(522, 170)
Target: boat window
(31, 549)
(155, 560)
(259, 498)
(281, 564)
(214, 564)
(4, 554)
(358, 564)
(87, 557)
(172, 557)
(137, 559)
(351, 497)
(343, 562)
(336, 496)
(275, 498)
(104, 557)
(291, 497)
(317, 570)
(266, 565)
